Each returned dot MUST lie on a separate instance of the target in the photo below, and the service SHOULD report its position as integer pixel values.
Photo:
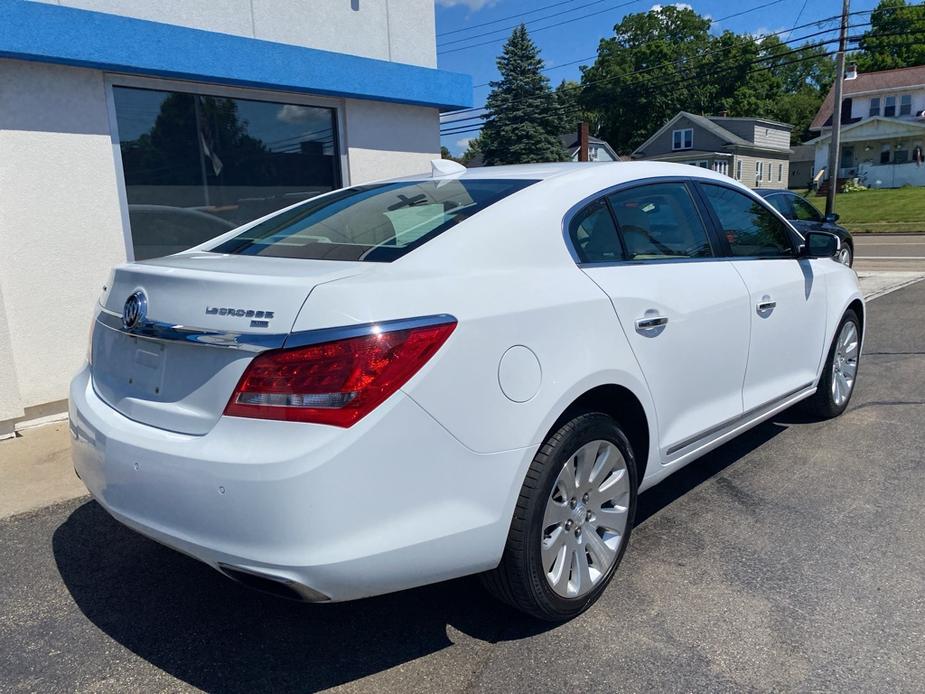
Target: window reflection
(196, 166)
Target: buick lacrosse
(469, 372)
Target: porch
(879, 152)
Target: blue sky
(574, 35)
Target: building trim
(63, 35)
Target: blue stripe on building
(53, 34)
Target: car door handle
(766, 305)
(651, 322)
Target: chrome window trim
(587, 200)
(160, 331)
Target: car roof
(604, 173)
(765, 192)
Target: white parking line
(889, 257)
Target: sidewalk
(36, 470)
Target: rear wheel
(572, 521)
(836, 385)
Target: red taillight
(336, 382)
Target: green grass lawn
(891, 209)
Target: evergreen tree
(522, 121)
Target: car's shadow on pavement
(188, 620)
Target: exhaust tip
(273, 585)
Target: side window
(804, 211)
(781, 203)
(749, 227)
(594, 235)
(660, 221)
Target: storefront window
(197, 166)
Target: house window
(885, 154)
(905, 105)
(901, 156)
(780, 173)
(874, 107)
(759, 170)
(739, 170)
(196, 166)
(889, 108)
(721, 166)
(682, 139)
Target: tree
(473, 149)
(571, 113)
(642, 75)
(896, 37)
(522, 122)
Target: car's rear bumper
(391, 503)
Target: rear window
(374, 223)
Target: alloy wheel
(585, 519)
(845, 363)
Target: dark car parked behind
(805, 217)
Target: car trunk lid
(177, 370)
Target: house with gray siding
(755, 151)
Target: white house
(133, 129)
(883, 128)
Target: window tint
(376, 223)
(781, 203)
(749, 227)
(660, 221)
(197, 166)
(594, 235)
(804, 211)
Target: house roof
(570, 142)
(870, 82)
(713, 125)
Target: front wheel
(572, 521)
(836, 385)
(845, 256)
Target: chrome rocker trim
(255, 342)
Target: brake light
(335, 383)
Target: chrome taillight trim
(257, 342)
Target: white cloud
(463, 144)
(760, 33)
(473, 5)
(679, 5)
(290, 113)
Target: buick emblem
(135, 310)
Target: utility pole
(583, 141)
(836, 111)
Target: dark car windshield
(374, 223)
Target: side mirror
(821, 244)
(831, 218)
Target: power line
(731, 69)
(667, 63)
(575, 19)
(506, 29)
(784, 31)
(539, 29)
(518, 15)
(763, 36)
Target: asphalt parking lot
(793, 558)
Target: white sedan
(471, 372)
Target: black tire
(822, 404)
(519, 579)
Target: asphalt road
(793, 558)
(899, 252)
